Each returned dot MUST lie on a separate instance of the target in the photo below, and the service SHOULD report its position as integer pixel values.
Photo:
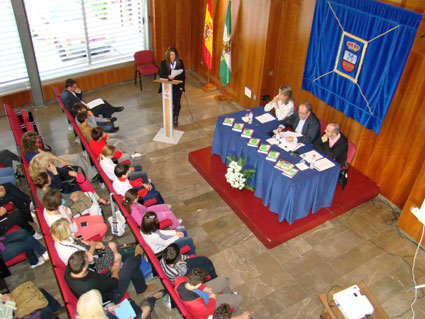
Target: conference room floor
(361, 245)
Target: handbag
(117, 220)
(28, 298)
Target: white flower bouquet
(238, 176)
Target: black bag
(68, 182)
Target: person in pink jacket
(137, 211)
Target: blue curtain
(356, 55)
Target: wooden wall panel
(86, 82)
(171, 26)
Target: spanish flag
(207, 44)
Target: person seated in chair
(225, 312)
(304, 122)
(282, 103)
(93, 121)
(333, 144)
(73, 94)
(112, 286)
(200, 298)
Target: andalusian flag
(207, 44)
(226, 53)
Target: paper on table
(308, 156)
(272, 141)
(301, 166)
(266, 117)
(94, 103)
(125, 310)
(289, 133)
(176, 72)
(289, 146)
(323, 164)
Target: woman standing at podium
(172, 68)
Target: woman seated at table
(88, 227)
(102, 255)
(158, 239)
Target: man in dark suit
(333, 144)
(304, 122)
(72, 94)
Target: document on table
(289, 146)
(289, 133)
(272, 141)
(94, 103)
(301, 166)
(266, 117)
(323, 164)
(309, 155)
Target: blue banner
(356, 55)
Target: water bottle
(250, 117)
(313, 161)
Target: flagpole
(208, 87)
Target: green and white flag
(226, 53)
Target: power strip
(419, 213)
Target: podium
(167, 134)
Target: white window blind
(13, 71)
(73, 36)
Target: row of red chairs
(130, 221)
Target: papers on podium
(266, 117)
(176, 72)
(309, 155)
(94, 103)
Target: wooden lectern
(167, 134)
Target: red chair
(144, 65)
(323, 125)
(350, 155)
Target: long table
(290, 199)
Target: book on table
(284, 165)
(264, 148)
(238, 127)
(290, 173)
(273, 156)
(254, 142)
(247, 133)
(228, 121)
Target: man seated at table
(112, 286)
(304, 122)
(333, 144)
(73, 94)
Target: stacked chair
(19, 124)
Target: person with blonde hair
(66, 245)
(89, 306)
(30, 147)
(282, 103)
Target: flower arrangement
(238, 176)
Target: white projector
(352, 303)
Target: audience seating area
(20, 124)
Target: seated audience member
(87, 227)
(13, 244)
(11, 193)
(84, 126)
(225, 312)
(72, 94)
(122, 184)
(108, 165)
(102, 255)
(201, 298)
(304, 122)
(63, 179)
(137, 210)
(93, 121)
(44, 313)
(30, 148)
(175, 264)
(90, 306)
(333, 144)
(159, 239)
(7, 221)
(282, 103)
(7, 158)
(112, 286)
(99, 139)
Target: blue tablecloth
(291, 199)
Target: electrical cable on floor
(193, 118)
(413, 272)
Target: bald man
(333, 144)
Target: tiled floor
(283, 282)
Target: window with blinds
(72, 36)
